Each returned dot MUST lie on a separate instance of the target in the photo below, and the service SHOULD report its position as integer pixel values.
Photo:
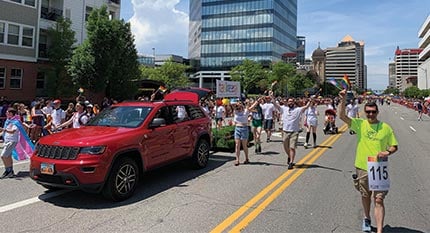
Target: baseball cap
(57, 101)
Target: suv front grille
(57, 152)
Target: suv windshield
(121, 116)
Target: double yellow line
(309, 158)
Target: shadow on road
(152, 183)
(388, 229)
(307, 166)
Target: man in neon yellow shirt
(374, 139)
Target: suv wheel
(201, 154)
(122, 180)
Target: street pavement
(263, 196)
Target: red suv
(115, 148)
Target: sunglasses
(371, 111)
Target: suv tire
(122, 180)
(201, 154)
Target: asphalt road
(263, 196)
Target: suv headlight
(93, 150)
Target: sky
(161, 26)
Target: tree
(282, 73)
(106, 61)
(171, 73)
(249, 73)
(412, 92)
(59, 53)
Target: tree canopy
(60, 51)
(106, 61)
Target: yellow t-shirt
(371, 139)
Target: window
(30, 2)
(13, 34)
(88, 10)
(15, 78)
(2, 30)
(2, 77)
(27, 37)
(40, 80)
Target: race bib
(377, 171)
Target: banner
(227, 89)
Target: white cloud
(158, 24)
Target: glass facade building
(224, 33)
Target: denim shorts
(241, 132)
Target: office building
(347, 58)
(407, 62)
(301, 50)
(424, 57)
(224, 33)
(392, 75)
(24, 41)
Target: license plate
(47, 168)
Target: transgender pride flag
(25, 147)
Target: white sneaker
(305, 145)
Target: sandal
(236, 163)
(246, 161)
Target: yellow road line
(238, 213)
(251, 216)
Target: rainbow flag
(162, 89)
(335, 83)
(345, 83)
(27, 118)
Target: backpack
(80, 118)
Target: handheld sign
(377, 171)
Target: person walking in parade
(311, 123)
(268, 110)
(375, 140)
(241, 131)
(10, 136)
(257, 124)
(352, 110)
(291, 116)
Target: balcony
(50, 13)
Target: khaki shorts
(362, 185)
(290, 139)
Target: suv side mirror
(157, 122)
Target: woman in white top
(311, 123)
(241, 131)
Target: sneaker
(268, 140)
(290, 166)
(10, 175)
(5, 174)
(306, 144)
(366, 225)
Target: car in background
(111, 152)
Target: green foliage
(414, 92)
(60, 51)
(171, 73)
(223, 138)
(249, 74)
(107, 60)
